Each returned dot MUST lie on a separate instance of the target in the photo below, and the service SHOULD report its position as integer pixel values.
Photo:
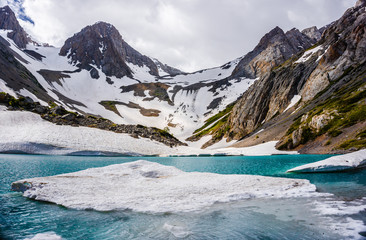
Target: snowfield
(145, 186)
(344, 162)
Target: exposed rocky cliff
(102, 46)
(16, 75)
(274, 48)
(168, 69)
(316, 75)
(8, 21)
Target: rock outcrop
(168, 69)
(8, 21)
(101, 46)
(313, 33)
(274, 48)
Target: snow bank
(344, 162)
(145, 186)
(268, 148)
(27, 132)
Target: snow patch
(6, 89)
(268, 148)
(307, 55)
(295, 99)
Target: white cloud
(189, 34)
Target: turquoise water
(298, 218)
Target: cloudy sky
(188, 34)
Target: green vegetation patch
(110, 105)
(215, 118)
(215, 129)
(358, 143)
(295, 125)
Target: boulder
(320, 121)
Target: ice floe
(150, 187)
(344, 162)
(45, 236)
(177, 230)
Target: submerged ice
(145, 186)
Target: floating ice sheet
(145, 186)
(344, 162)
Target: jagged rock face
(102, 46)
(17, 76)
(274, 48)
(347, 37)
(344, 46)
(8, 21)
(313, 33)
(266, 98)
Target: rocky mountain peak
(101, 46)
(298, 40)
(8, 21)
(313, 33)
(271, 37)
(275, 47)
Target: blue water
(22, 218)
